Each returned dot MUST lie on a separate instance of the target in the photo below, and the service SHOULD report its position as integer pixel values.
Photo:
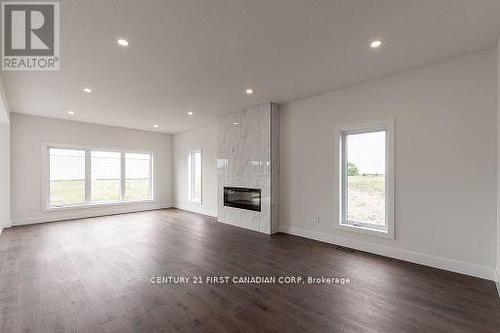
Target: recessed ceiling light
(71, 113)
(87, 90)
(236, 123)
(249, 91)
(156, 126)
(375, 44)
(123, 42)
(190, 113)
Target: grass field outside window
(366, 199)
(80, 177)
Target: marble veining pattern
(244, 159)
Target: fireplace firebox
(242, 197)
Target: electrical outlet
(316, 219)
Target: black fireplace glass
(242, 197)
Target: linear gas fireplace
(242, 197)
(248, 168)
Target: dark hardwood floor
(94, 275)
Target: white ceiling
(200, 55)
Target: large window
(194, 176)
(137, 176)
(106, 170)
(79, 177)
(366, 178)
(67, 177)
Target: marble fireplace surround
(248, 156)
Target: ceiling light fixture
(71, 113)
(87, 90)
(249, 91)
(376, 44)
(123, 42)
(190, 113)
(156, 126)
(236, 123)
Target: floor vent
(344, 249)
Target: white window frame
(341, 172)
(191, 175)
(88, 179)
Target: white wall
(4, 175)
(4, 160)
(445, 161)
(30, 133)
(204, 138)
(498, 168)
(4, 107)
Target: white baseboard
(497, 281)
(88, 213)
(414, 257)
(199, 210)
(7, 223)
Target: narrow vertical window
(105, 175)
(138, 169)
(194, 176)
(67, 177)
(366, 191)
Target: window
(80, 177)
(194, 176)
(106, 170)
(137, 176)
(66, 177)
(366, 178)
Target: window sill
(98, 205)
(366, 230)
